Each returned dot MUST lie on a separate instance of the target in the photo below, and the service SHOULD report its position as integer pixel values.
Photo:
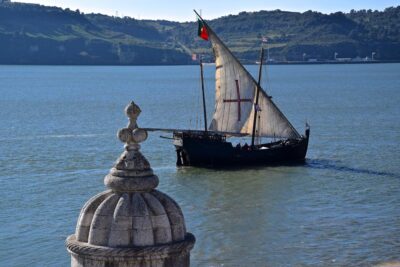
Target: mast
(257, 95)
(204, 98)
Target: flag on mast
(202, 31)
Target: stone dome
(130, 219)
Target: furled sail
(235, 97)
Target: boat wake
(336, 166)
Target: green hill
(35, 34)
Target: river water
(342, 208)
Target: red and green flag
(202, 32)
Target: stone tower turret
(132, 223)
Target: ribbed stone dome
(130, 219)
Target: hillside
(35, 34)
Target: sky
(181, 10)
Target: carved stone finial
(132, 135)
(131, 164)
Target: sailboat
(242, 108)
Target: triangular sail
(234, 90)
(270, 120)
(235, 97)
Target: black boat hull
(214, 151)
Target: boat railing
(200, 135)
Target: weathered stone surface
(119, 238)
(132, 160)
(139, 206)
(132, 224)
(131, 184)
(171, 255)
(86, 216)
(178, 232)
(142, 237)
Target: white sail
(235, 92)
(270, 121)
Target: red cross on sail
(238, 100)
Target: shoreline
(331, 62)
